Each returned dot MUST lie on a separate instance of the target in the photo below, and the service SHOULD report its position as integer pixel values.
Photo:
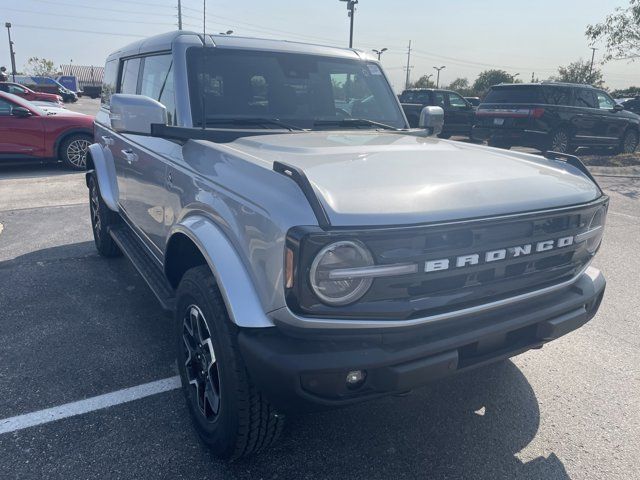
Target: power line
(86, 18)
(42, 27)
(101, 9)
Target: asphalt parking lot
(75, 326)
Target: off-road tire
(629, 142)
(102, 217)
(245, 421)
(74, 149)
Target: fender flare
(234, 281)
(105, 171)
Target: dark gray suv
(561, 117)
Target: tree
(620, 32)
(40, 67)
(423, 82)
(627, 92)
(579, 72)
(489, 78)
(462, 86)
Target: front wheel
(74, 149)
(102, 217)
(228, 411)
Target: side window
(605, 102)
(438, 99)
(585, 98)
(5, 108)
(109, 82)
(456, 101)
(157, 83)
(129, 79)
(557, 95)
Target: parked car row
(548, 116)
(47, 85)
(43, 133)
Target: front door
(613, 124)
(20, 136)
(147, 159)
(461, 114)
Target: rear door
(20, 136)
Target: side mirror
(432, 120)
(20, 112)
(135, 113)
(618, 108)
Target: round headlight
(335, 258)
(597, 226)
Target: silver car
(314, 250)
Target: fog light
(355, 378)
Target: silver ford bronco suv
(313, 249)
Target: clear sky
(467, 36)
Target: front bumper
(306, 370)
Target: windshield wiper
(254, 122)
(355, 122)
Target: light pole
(351, 11)
(13, 54)
(438, 77)
(593, 56)
(379, 52)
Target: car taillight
(537, 112)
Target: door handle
(108, 141)
(129, 155)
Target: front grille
(425, 293)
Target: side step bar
(146, 266)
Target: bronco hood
(373, 178)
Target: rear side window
(109, 82)
(129, 79)
(157, 83)
(514, 94)
(585, 98)
(557, 95)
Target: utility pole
(593, 56)
(438, 77)
(408, 67)
(379, 52)
(351, 11)
(13, 54)
(179, 14)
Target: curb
(633, 171)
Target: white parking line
(88, 405)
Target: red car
(28, 94)
(28, 132)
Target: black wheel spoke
(200, 362)
(212, 398)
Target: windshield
(301, 91)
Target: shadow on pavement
(33, 169)
(470, 426)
